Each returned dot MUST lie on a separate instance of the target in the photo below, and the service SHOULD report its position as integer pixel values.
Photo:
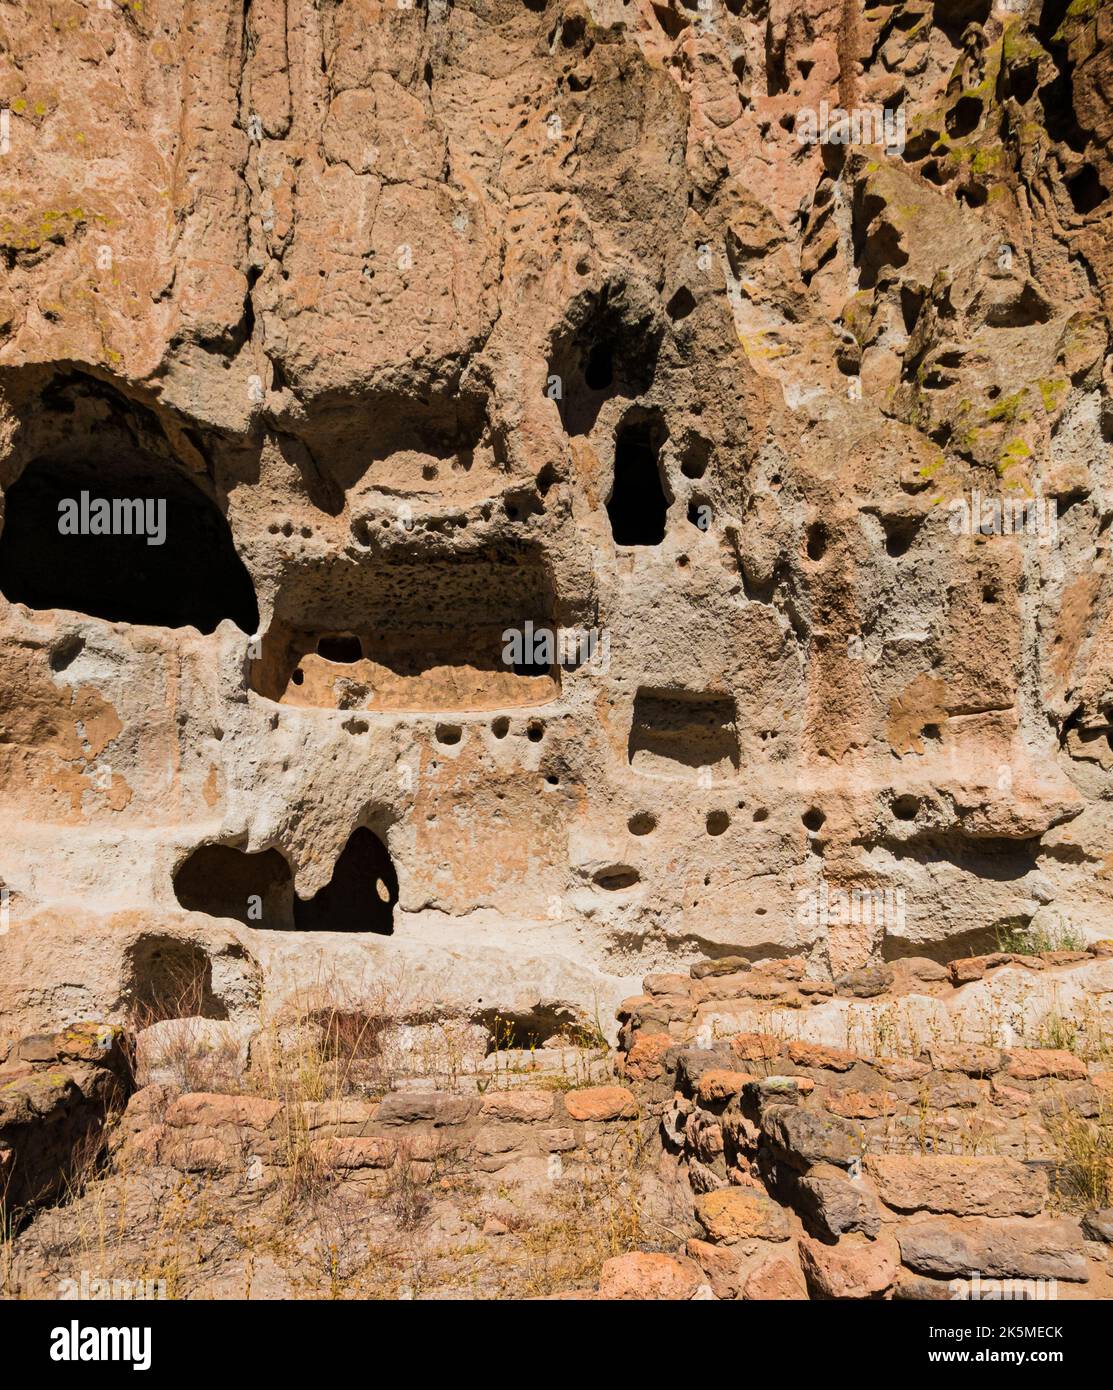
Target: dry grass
(298, 1228)
(181, 994)
(1030, 941)
(1083, 1178)
(588, 1220)
(1084, 1032)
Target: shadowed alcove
(607, 346)
(412, 625)
(257, 888)
(120, 536)
(638, 505)
(361, 894)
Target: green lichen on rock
(1077, 9)
(1053, 391)
(1008, 409)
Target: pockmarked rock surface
(500, 499)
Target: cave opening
(1087, 193)
(344, 649)
(607, 346)
(166, 977)
(599, 368)
(638, 505)
(361, 894)
(222, 881)
(676, 729)
(257, 888)
(1057, 97)
(123, 538)
(414, 626)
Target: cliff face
(502, 485)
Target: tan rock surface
(426, 324)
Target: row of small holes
(500, 727)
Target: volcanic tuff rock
(427, 329)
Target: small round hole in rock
(617, 877)
(535, 732)
(695, 456)
(500, 727)
(717, 822)
(449, 734)
(813, 818)
(906, 807)
(642, 824)
(817, 541)
(900, 532)
(681, 304)
(66, 652)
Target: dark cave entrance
(257, 889)
(344, 648)
(142, 544)
(361, 894)
(599, 368)
(638, 505)
(1057, 97)
(222, 881)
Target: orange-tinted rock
(775, 1280)
(644, 1061)
(755, 1047)
(601, 1103)
(213, 1111)
(862, 1105)
(643, 1275)
(716, 1085)
(356, 1153)
(1035, 1064)
(963, 1185)
(722, 1265)
(853, 1268)
(736, 1213)
(806, 1054)
(968, 969)
(1103, 1080)
(518, 1104)
(902, 1068)
(971, 1058)
(723, 987)
(667, 984)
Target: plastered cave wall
(428, 322)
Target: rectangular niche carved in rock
(677, 729)
(399, 632)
